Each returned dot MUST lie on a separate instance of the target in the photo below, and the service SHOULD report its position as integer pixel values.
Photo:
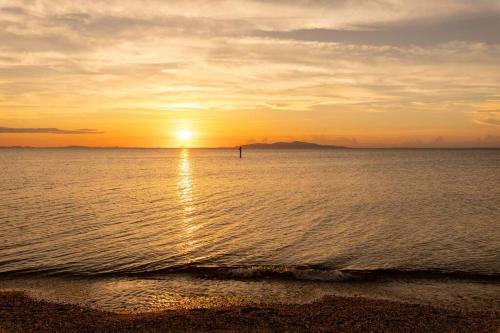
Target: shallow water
(174, 291)
(302, 214)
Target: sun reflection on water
(185, 194)
(184, 184)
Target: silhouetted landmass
(290, 145)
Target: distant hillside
(289, 145)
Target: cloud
(40, 42)
(11, 130)
(488, 117)
(12, 10)
(482, 28)
(489, 121)
(494, 111)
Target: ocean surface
(132, 228)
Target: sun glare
(184, 135)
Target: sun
(184, 135)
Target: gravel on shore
(19, 313)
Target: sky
(143, 73)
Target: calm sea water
(326, 215)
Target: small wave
(319, 273)
(301, 273)
(263, 272)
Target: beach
(19, 313)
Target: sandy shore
(19, 313)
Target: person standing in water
(240, 149)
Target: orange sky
(386, 73)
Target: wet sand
(19, 313)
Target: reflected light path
(184, 183)
(185, 194)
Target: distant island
(290, 145)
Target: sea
(137, 230)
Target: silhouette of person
(240, 149)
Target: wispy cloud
(47, 131)
(13, 10)
(482, 28)
(489, 121)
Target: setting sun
(184, 135)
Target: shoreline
(20, 313)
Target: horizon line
(326, 147)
